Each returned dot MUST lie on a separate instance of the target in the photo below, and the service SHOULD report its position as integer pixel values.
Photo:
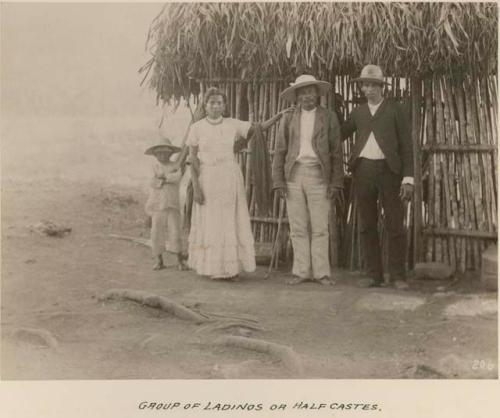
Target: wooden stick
(448, 169)
(474, 161)
(438, 197)
(416, 94)
(267, 102)
(464, 170)
(141, 241)
(444, 136)
(252, 116)
(274, 254)
(459, 149)
(233, 98)
(274, 110)
(472, 167)
(460, 233)
(238, 100)
(227, 89)
(262, 102)
(268, 220)
(430, 139)
(482, 97)
(458, 199)
(494, 107)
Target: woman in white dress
(221, 243)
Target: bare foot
(296, 280)
(181, 267)
(326, 281)
(158, 266)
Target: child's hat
(160, 145)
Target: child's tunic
(163, 207)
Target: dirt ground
(54, 285)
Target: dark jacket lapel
(379, 111)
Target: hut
(441, 63)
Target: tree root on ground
(154, 301)
(39, 337)
(285, 354)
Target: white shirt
(306, 153)
(372, 150)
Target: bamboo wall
(458, 141)
(453, 215)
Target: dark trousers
(374, 180)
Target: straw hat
(371, 73)
(304, 81)
(161, 145)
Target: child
(163, 204)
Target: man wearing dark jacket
(382, 167)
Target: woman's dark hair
(214, 91)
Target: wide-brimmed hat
(371, 73)
(161, 145)
(304, 81)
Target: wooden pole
(416, 98)
(430, 139)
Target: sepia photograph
(247, 190)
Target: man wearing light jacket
(307, 171)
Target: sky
(71, 100)
(65, 60)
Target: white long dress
(221, 243)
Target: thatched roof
(280, 40)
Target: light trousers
(308, 211)
(166, 231)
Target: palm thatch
(189, 41)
